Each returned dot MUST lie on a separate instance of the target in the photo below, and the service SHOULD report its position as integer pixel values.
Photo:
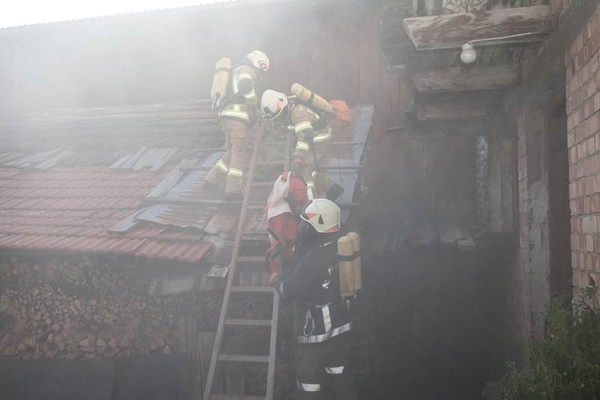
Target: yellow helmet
(323, 215)
(259, 60)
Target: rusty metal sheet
(192, 180)
(195, 216)
(256, 221)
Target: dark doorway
(559, 211)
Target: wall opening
(559, 211)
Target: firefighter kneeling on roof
(310, 115)
(324, 320)
(234, 95)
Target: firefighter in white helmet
(324, 322)
(236, 119)
(313, 136)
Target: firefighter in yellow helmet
(323, 340)
(235, 119)
(313, 136)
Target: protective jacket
(242, 96)
(310, 128)
(313, 283)
(313, 134)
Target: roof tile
(71, 208)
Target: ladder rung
(252, 289)
(235, 397)
(243, 358)
(262, 184)
(269, 163)
(251, 259)
(248, 322)
(256, 232)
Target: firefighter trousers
(318, 181)
(231, 165)
(324, 364)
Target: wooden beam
(463, 6)
(453, 30)
(457, 79)
(457, 109)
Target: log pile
(84, 311)
(89, 310)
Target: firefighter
(235, 119)
(322, 352)
(313, 134)
(288, 197)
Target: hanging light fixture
(468, 55)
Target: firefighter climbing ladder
(218, 356)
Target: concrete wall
(583, 110)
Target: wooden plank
(458, 79)
(248, 322)
(453, 30)
(457, 110)
(216, 354)
(206, 342)
(253, 289)
(243, 358)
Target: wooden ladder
(231, 287)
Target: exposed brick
(593, 124)
(589, 244)
(587, 205)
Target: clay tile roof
(71, 209)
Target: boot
(334, 192)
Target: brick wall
(583, 111)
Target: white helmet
(323, 215)
(259, 60)
(272, 103)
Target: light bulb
(468, 55)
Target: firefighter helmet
(323, 215)
(272, 103)
(259, 60)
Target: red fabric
(284, 225)
(298, 190)
(342, 113)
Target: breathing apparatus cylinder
(312, 99)
(220, 81)
(356, 262)
(346, 267)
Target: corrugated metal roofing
(72, 208)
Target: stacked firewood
(80, 310)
